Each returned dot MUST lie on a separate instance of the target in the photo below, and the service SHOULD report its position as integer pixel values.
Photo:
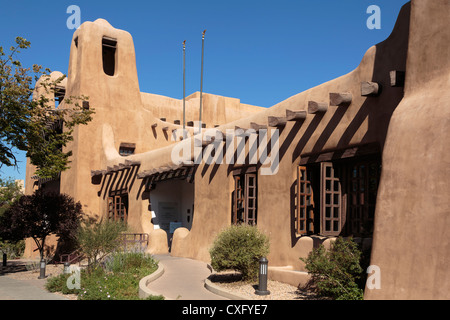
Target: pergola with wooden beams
(180, 171)
(116, 168)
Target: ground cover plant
(115, 279)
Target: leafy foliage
(39, 215)
(239, 248)
(10, 192)
(98, 239)
(335, 271)
(27, 123)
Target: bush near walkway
(239, 248)
(335, 272)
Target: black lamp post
(42, 269)
(263, 270)
(66, 267)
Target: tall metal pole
(201, 83)
(184, 88)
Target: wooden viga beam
(296, 115)
(276, 121)
(340, 99)
(315, 107)
(132, 162)
(144, 174)
(369, 88)
(257, 127)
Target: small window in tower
(126, 149)
(60, 92)
(109, 55)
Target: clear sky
(261, 52)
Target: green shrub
(59, 284)
(239, 248)
(334, 272)
(98, 239)
(13, 249)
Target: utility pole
(184, 89)
(201, 83)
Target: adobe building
(364, 155)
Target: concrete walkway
(183, 279)
(13, 289)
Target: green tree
(27, 123)
(39, 215)
(10, 192)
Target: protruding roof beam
(295, 115)
(132, 162)
(369, 88)
(276, 121)
(340, 99)
(317, 107)
(258, 127)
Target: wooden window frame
(242, 201)
(342, 209)
(332, 201)
(117, 208)
(304, 220)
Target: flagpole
(184, 88)
(201, 83)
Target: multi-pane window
(362, 193)
(331, 199)
(118, 208)
(244, 199)
(345, 194)
(305, 202)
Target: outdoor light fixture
(66, 267)
(42, 267)
(263, 268)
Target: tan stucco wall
(411, 241)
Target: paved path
(183, 279)
(13, 289)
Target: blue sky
(261, 52)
